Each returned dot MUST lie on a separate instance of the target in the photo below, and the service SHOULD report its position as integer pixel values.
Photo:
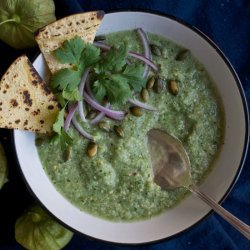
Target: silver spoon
(171, 169)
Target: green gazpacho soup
(117, 184)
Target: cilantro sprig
(58, 127)
(111, 76)
(79, 55)
(114, 78)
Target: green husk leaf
(19, 20)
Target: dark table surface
(227, 23)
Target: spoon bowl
(170, 161)
(171, 169)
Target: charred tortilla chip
(26, 103)
(53, 35)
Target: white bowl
(191, 210)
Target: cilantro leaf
(99, 90)
(73, 95)
(117, 89)
(59, 123)
(117, 85)
(80, 55)
(60, 98)
(133, 74)
(70, 51)
(114, 60)
(64, 140)
(65, 79)
(89, 56)
(61, 135)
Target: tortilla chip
(26, 103)
(53, 35)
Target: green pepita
(119, 131)
(158, 86)
(67, 153)
(155, 50)
(136, 111)
(173, 87)
(182, 55)
(150, 82)
(144, 95)
(165, 53)
(92, 149)
(104, 126)
(100, 38)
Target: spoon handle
(235, 222)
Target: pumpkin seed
(144, 95)
(150, 82)
(155, 50)
(182, 55)
(158, 86)
(92, 149)
(136, 111)
(100, 38)
(104, 126)
(165, 53)
(119, 131)
(173, 87)
(67, 153)
(38, 141)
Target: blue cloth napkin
(227, 23)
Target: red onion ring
(79, 128)
(88, 89)
(100, 116)
(147, 51)
(81, 88)
(102, 46)
(141, 104)
(70, 116)
(116, 115)
(144, 59)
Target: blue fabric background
(227, 23)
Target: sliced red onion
(141, 104)
(100, 116)
(116, 115)
(70, 116)
(81, 88)
(102, 46)
(147, 51)
(81, 130)
(88, 89)
(144, 59)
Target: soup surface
(117, 184)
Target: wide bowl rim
(243, 156)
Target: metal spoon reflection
(171, 169)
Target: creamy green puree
(117, 184)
